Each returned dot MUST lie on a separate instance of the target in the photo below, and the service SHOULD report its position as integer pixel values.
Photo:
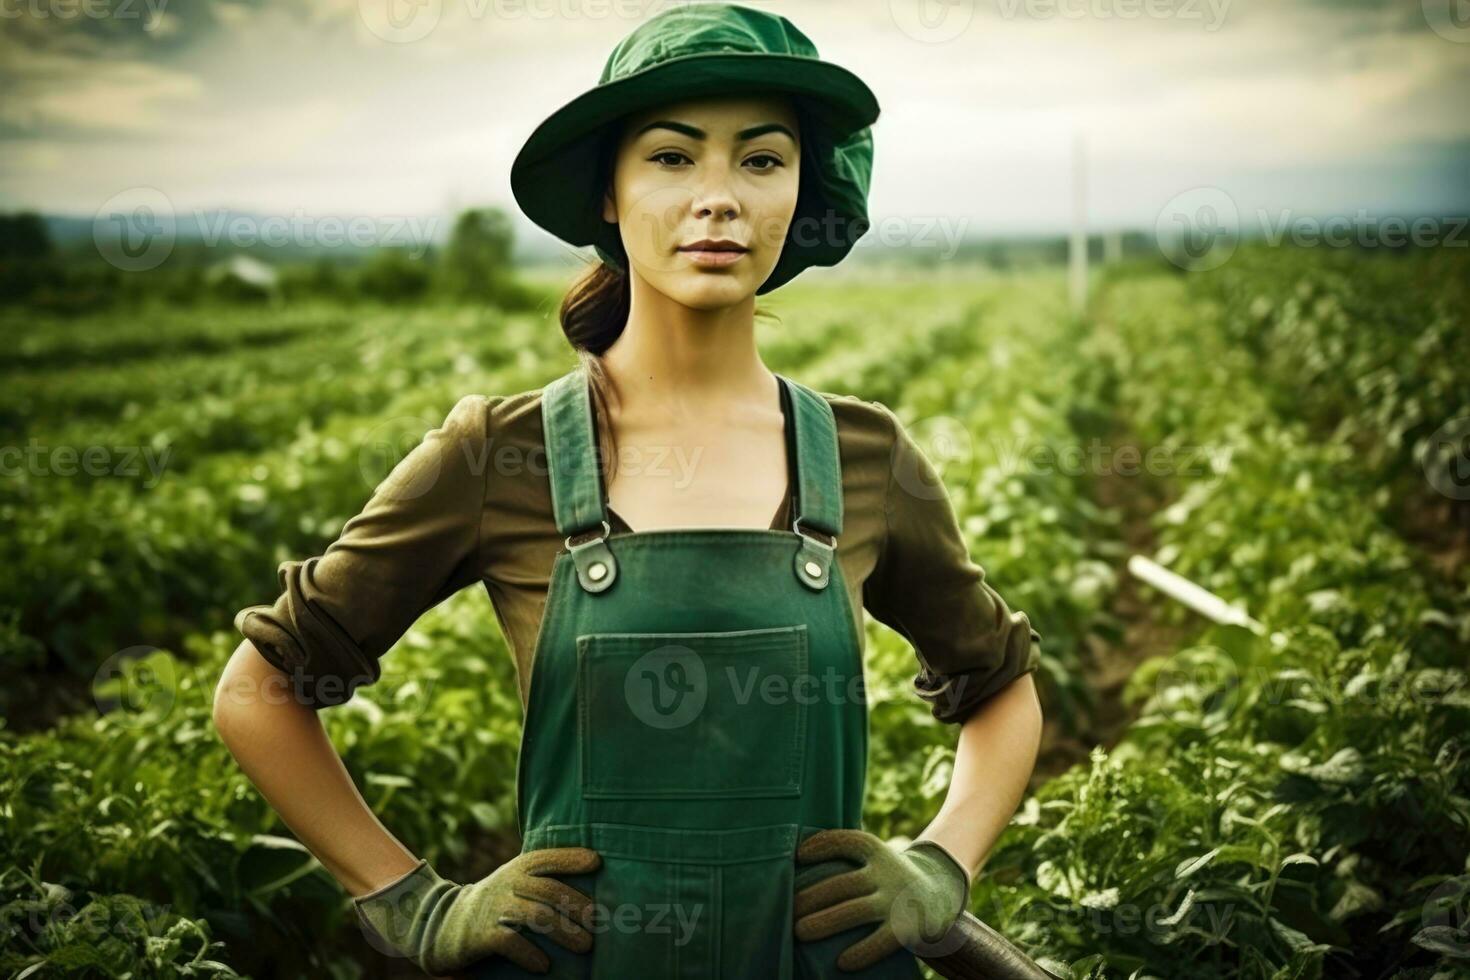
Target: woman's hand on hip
(914, 894)
(442, 926)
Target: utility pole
(1077, 250)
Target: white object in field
(1200, 599)
(246, 269)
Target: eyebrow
(696, 133)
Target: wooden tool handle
(971, 950)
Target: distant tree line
(475, 265)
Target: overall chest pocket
(693, 715)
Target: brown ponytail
(593, 315)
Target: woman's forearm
(997, 750)
(284, 750)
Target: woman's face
(721, 168)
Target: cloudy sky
(410, 108)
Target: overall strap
(819, 483)
(576, 480)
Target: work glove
(443, 926)
(914, 894)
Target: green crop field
(1290, 431)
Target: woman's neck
(682, 362)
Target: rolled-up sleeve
(968, 641)
(415, 543)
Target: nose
(715, 197)
(727, 211)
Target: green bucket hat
(709, 49)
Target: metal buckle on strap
(831, 541)
(606, 530)
(597, 568)
(814, 557)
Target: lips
(708, 245)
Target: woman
(690, 779)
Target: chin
(708, 290)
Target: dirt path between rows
(1144, 634)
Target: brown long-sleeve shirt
(472, 502)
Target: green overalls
(696, 709)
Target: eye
(775, 161)
(664, 155)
